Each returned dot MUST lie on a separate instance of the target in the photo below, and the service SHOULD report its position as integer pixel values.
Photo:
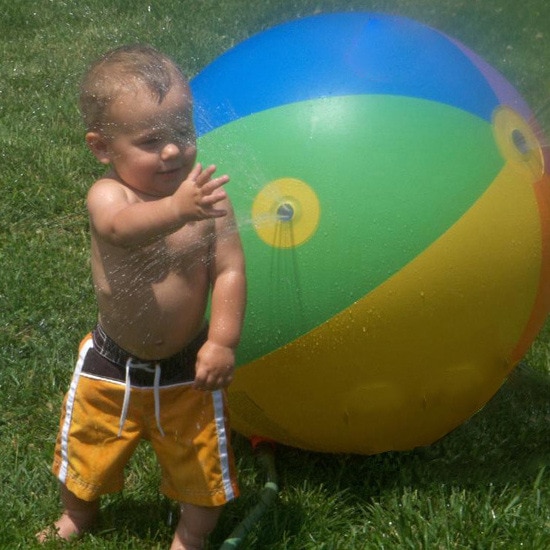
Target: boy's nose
(170, 150)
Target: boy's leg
(195, 524)
(78, 517)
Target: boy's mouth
(168, 173)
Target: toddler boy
(163, 238)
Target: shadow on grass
(507, 442)
(143, 520)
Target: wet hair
(120, 69)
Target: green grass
(486, 485)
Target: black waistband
(110, 361)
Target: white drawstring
(127, 385)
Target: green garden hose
(268, 494)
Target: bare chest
(184, 254)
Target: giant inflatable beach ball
(393, 202)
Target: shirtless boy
(163, 238)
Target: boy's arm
(119, 218)
(216, 359)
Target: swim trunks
(115, 400)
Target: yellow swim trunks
(116, 400)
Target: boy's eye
(149, 141)
(184, 136)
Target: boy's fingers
(217, 182)
(195, 172)
(204, 175)
(213, 192)
(213, 382)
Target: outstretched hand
(197, 196)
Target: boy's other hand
(214, 368)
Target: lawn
(486, 485)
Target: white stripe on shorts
(218, 400)
(69, 411)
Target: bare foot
(66, 528)
(78, 517)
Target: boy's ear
(98, 146)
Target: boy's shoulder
(107, 190)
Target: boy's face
(151, 146)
